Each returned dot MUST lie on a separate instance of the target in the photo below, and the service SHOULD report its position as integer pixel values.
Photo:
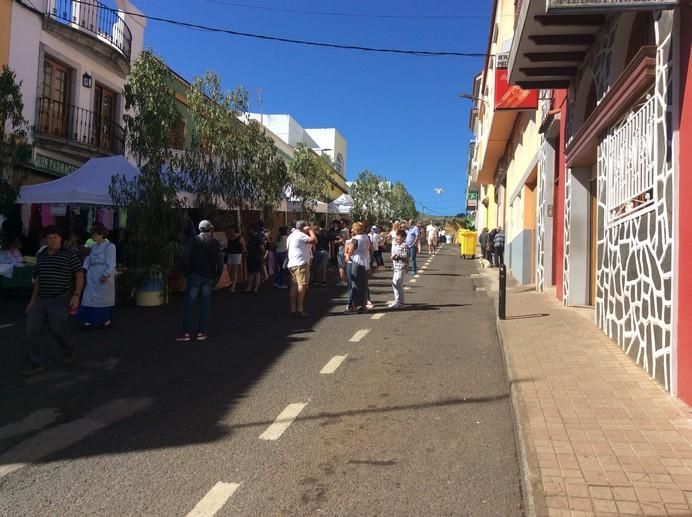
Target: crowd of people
(78, 279)
(492, 244)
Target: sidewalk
(596, 435)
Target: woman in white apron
(98, 299)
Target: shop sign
(60, 168)
(471, 201)
(502, 60)
(511, 97)
(595, 6)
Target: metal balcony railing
(80, 126)
(96, 18)
(629, 152)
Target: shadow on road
(179, 393)
(528, 316)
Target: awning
(88, 185)
(548, 48)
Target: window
(178, 134)
(53, 107)
(629, 151)
(104, 117)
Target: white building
(324, 141)
(73, 58)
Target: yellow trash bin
(467, 243)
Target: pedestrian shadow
(528, 316)
(409, 307)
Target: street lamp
(470, 97)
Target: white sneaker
(396, 306)
(370, 305)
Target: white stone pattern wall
(598, 62)
(543, 171)
(635, 266)
(635, 256)
(540, 218)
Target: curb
(528, 460)
(532, 496)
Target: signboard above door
(599, 6)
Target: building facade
(73, 59)
(611, 164)
(506, 150)
(324, 141)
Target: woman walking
(281, 256)
(98, 298)
(255, 260)
(358, 251)
(234, 256)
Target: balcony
(95, 19)
(86, 130)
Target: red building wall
(684, 237)
(559, 102)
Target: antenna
(260, 101)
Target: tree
(13, 147)
(151, 199)
(367, 196)
(229, 164)
(375, 199)
(309, 178)
(402, 203)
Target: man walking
(432, 234)
(399, 265)
(499, 247)
(58, 284)
(483, 241)
(299, 266)
(203, 265)
(412, 240)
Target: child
(399, 265)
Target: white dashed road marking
(283, 421)
(360, 334)
(333, 364)
(413, 281)
(480, 288)
(378, 316)
(407, 288)
(416, 276)
(214, 500)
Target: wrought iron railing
(80, 126)
(96, 18)
(630, 161)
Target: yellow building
(504, 165)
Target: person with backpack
(203, 264)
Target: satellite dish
(438, 190)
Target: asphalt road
(414, 420)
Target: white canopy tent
(341, 205)
(88, 185)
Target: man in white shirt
(433, 235)
(298, 244)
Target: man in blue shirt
(412, 238)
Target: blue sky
(400, 115)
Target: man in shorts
(298, 244)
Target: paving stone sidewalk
(597, 436)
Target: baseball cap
(205, 226)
